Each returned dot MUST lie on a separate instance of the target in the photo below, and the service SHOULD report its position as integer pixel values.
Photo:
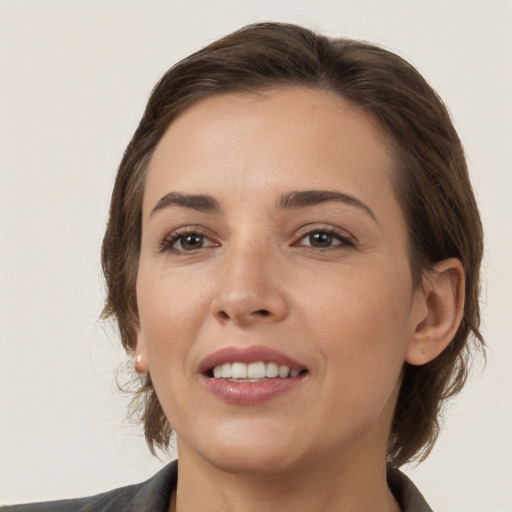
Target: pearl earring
(137, 365)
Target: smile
(254, 372)
(250, 375)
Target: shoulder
(405, 492)
(150, 496)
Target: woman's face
(272, 242)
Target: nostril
(262, 312)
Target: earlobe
(140, 362)
(441, 307)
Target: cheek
(170, 312)
(360, 319)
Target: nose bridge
(249, 289)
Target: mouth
(254, 372)
(250, 375)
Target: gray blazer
(153, 496)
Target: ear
(438, 311)
(140, 354)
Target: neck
(312, 486)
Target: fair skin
(266, 260)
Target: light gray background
(75, 76)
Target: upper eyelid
(189, 229)
(325, 228)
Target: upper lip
(247, 355)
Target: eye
(190, 242)
(325, 239)
(186, 241)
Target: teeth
(284, 371)
(272, 370)
(257, 371)
(226, 370)
(253, 372)
(239, 371)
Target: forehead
(312, 137)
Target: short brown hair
(431, 184)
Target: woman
(292, 257)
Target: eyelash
(345, 242)
(168, 242)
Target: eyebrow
(201, 202)
(306, 198)
(292, 200)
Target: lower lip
(250, 393)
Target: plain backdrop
(75, 76)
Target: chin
(243, 449)
(256, 460)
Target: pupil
(320, 239)
(192, 241)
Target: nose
(250, 288)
